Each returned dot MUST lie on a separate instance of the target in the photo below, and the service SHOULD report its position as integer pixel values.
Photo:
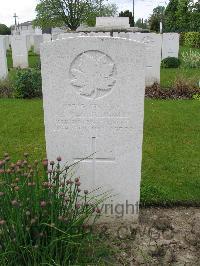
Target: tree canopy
(128, 14)
(156, 18)
(4, 30)
(140, 23)
(182, 16)
(71, 13)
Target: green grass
(169, 75)
(22, 127)
(170, 170)
(171, 153)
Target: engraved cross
(94, 159)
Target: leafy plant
(196, 97)
(44, 215)
(170, 62)
(191, 59)
(192, 39)
(28, 83)
(6, 88)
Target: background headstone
(122, 22)
(7, 42)
(93, 97)
(170, 45)
(153, 45)
(46, 37)
(38, 39)
(9, 39)
(19, 51)
(55, 36)
(3, 59)
(28, 40)
(32, 40)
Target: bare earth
(162, 237)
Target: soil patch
(161, 237)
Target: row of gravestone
(20, 45)
(157, 47)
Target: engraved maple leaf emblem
(93, 74)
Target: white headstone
(7, 42)
(38, 39)
(55, 36)
(122, 22)
(28, 40)
(170, 45)
(32, 40)
(76, 34)
(19, 51)
(38, 31)
(66, 35)
(93, 96)
(9, 39)
(46, 37)
(153, 44)
(3, 59)
(125, 35)
(100, 34)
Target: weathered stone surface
(32, 40)
(38, 39)
(28, 41)
(7, 41)
(170, 45)
(46, 37)
(55, 36)
(77, 34)
(93, 89)
(19, 51)
(3, 60)
(112, 22)
(153, 44)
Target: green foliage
(4, 30)
(44, 214)
(100, 9)
(141, 24)
(182, 16)
(28, 83)
(170, 62)
(170, 22)
(6, 88)
(191, 59)
(71, 13)
(182, 38)
(196, 97)
(128, 14)
(46, 16)
(194, 11)
(156, 18)
(192, 39)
